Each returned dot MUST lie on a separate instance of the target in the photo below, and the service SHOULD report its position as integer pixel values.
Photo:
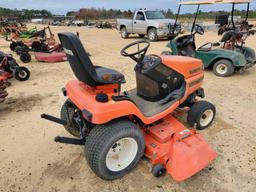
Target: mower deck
(181, 151)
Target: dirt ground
(30, 160)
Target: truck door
(140, 23)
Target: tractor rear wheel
(114, 149)
(201, 115)
(68, 113)
(25, 57)
(223, 68)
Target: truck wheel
(201, 114)
(67, 113)
(25, 57)
(124, 33)
(21, 74)
(114, 149)
(223, 68)
(152, 34)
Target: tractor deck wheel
(158, 170)
(223, 68)
(114, 149)
(21, 74)
(68, 113)
(25, 57)
(201, 115)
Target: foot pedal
(70, 141)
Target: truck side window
(140, 16)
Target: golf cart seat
(227, 36)
(82, 65)
(186, 46)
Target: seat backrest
(78, 59)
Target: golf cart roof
(232, 1)
(198, 2)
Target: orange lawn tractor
(118, 128)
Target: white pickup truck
(146, 22)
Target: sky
(62, 6)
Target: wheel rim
(121, 154)
(123, 33)
(151, 35)
(22, 74)
(206, 117)
(222, 69)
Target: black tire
(124, 33)
(36, 46)
(158, 170)
(166, 53)
(21, 73)
(141, 36)
(13, 45)
(223, 68)
(25, 57)
(67, 113)
(152, 34)
(198, 112)
(102, 138)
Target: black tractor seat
(82, 65)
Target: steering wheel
(139, 55)
(199, 29)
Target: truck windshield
(154, 15)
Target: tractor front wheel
(201, 115)
(223, 68)
(114, 149)
(21, 73)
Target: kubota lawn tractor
(117, 127)
(9, 68)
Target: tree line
(94, 14)
(24, 14)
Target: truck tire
(223, 68)
(114, 149)
(152, 34)
(124, 33)
(201, 114)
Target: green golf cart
(224, 62)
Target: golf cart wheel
(158, 170)
(152, 34)
(201, 114)
(22, 74)
(68, 113)
(166, 53)
(114, 149)
(223, 68)
(25, 57)
(124, 33)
